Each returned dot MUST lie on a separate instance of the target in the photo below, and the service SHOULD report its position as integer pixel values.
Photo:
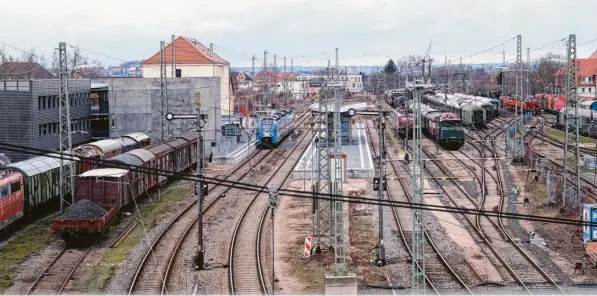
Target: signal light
(376, 184)
(500, 78)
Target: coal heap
(84, 209)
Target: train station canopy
(343, 109)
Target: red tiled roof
(188, 51)
(586, 67)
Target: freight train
(32, 185)
(120, 181)
(443, 127)
(470, 114)
(274, 127)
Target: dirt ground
(563, 243)
(293, 224)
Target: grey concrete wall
(135, 106)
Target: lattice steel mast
(66, 171)
(571, 150)
(418, 239)
(519, 105)
(163, 92)
(173, 56)
(321, 188)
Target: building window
(583, 90)
(39, 103)
(49, 102)
(179, 73)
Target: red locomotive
(12, 202)
(531, 104)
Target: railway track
(154, 271)
(529, 275)
(58, 272)
(246, 274)
(440, 276)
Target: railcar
(443, 127)
(273, 128)
(12, 198)
(403, 121)
(491, 106)
(587, 120)
(470, 115)
(590, 104)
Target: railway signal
(500, 77)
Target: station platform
(359, 160)
(233, 153)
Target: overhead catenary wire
(294, 193)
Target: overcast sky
(132, 29)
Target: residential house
(193, 59)
(586, 74)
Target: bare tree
(544, 74)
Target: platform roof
(357, 107)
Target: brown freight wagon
(110, 189)
(143, 164)
(164, 155)
(192, 139)
(181, 153)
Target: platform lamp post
(200, 187)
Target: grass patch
(560, 135)
(27, 243)
(150, 215)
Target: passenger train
(273, 127)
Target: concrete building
(29, 114)
(193, 59)
(135, 106)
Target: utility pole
(381, 254)
(273, 204)
(528, 71)
(200, 185)
(519, 117)
(503, 78)
(163, 91)
(253, 67)
(173, 56)
(571, 150)
(418, 239)
(67, 170)
(275, 83)
(292, 65)
(337, 65)
(285, 86)
(266, 74)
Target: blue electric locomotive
(273, 128)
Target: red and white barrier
(307, 250)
